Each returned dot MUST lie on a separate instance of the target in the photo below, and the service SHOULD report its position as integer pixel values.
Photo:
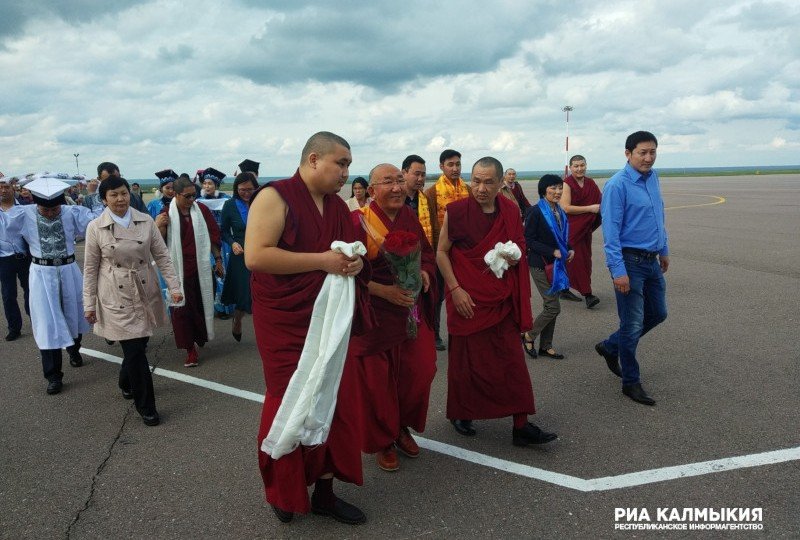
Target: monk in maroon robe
(189, 320)
(581, 201)
(291, 225)
(486, 376)
(395, 371)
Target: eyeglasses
(391, 183)
(189, 196)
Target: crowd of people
(272, 250)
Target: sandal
(527, 344)
(554, 355)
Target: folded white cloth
(306, 410)
(497, 258)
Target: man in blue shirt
(637, 256)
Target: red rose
(400, 243)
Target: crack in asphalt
(104, 462)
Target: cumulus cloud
(718, 82)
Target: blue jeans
(641, 310)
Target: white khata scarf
(307, 407)
(202, 242)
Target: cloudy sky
(186, 85)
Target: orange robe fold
(395, 372)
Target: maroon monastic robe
(395, 371)
(188, 321)
(282, 306)
(487, 376)
(581, 227)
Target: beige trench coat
(120, 281)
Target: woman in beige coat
(121, 294)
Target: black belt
(53, 262)
(649, 255)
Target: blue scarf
(243, 208)
(560, 278)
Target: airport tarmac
(724, 368)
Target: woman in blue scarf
(546, 234)
(236, 289)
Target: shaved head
(489, 162)
(322, 143)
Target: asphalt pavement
(724, 368)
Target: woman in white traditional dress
(49, 227)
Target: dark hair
(490, 162)
(243, 178)
(639, 137)
(548, 180)
(576, 157)
(322, 143)
(447, 154)
(360, 180)
(410, 160)
(111, 183)
(108, 167)
(135, 184)
(181, 184)
(184, 175)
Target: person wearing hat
(166, 183)
(50, 227)
(214, 199)
(546, 235)
(192, 237)
(15, 264)
(248, 165)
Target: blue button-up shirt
(11, 246)
(633, 216)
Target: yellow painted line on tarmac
(719, 200)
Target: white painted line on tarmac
(211, 385)
(606, 483)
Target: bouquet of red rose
(402, 250)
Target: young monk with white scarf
(192, 236)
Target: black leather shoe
(127, 394)
(283, 515)
(569, 295)
(554, 355)
(109, 342)
(341, 511)
(531, 434)
(591, 301)
(237, 337)
(12, 335)
(637, 394)
(440, 346)
(76, 360)
(151, 419)
(464, 427)
(611, 361)
(54, 387)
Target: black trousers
(13, 268)
(437, 315)
(51, 360)
(134, 375)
